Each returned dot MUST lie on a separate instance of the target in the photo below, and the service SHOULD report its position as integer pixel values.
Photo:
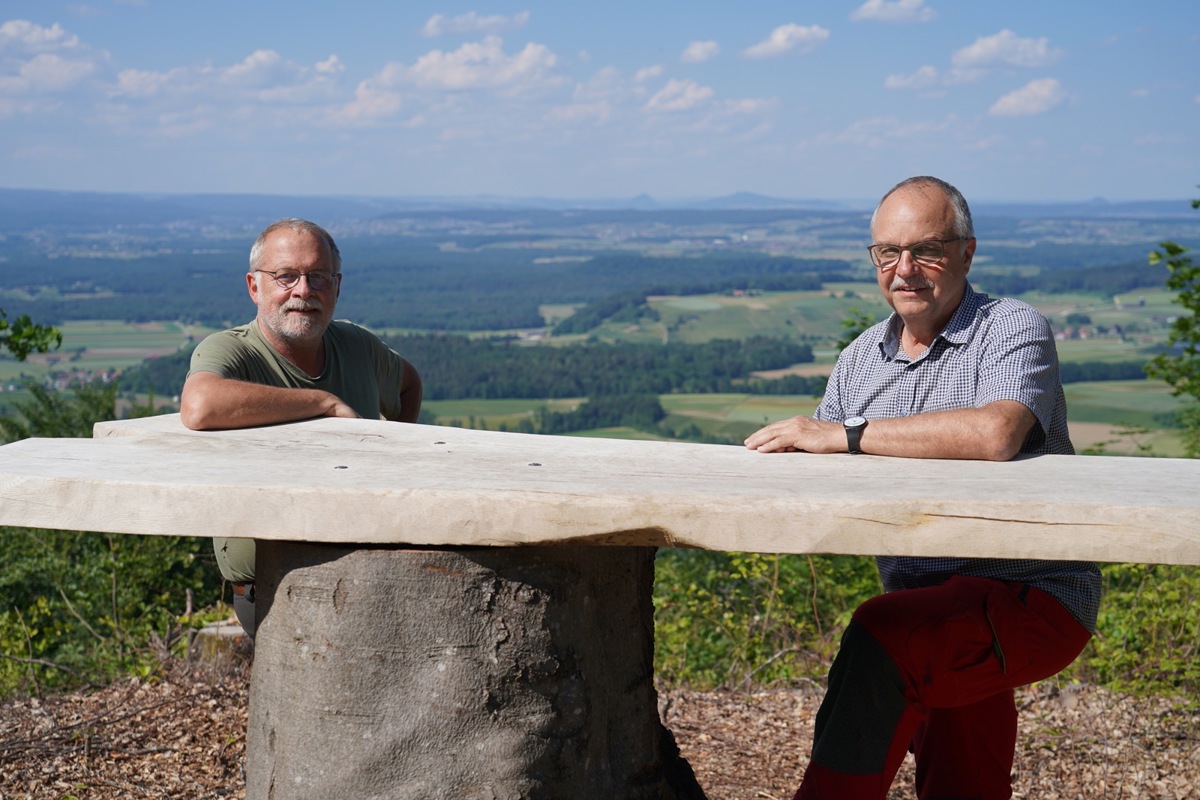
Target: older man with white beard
(293, 362)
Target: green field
(98, 345)
(1098, 411)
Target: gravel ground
(182, 736)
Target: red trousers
(933, 670)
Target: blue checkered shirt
(992, 349)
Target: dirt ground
(181, 735)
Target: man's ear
(252, 286)
(968, 254)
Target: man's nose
(907, 265)
(302, 288)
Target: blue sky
(1042, 100)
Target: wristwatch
(854, 427)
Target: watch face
(854, 422)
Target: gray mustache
(302, 305)
(915, 282)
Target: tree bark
(487, 673)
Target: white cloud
(330, 66)
(679, 95)
(261, 67)
(596, 99)
(40, 60)
(1036, 97)
(1006, 47)
(923, 78)
(371, 103)
(647, 73)
(30, 37)
(472, 23)
(262, 76)
(789, 37)
(477, 65)
(141, 83)
(879, 131)
(894, 11)
(696, 52)
(45, 72)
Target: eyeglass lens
(317, 281)
(887, 255)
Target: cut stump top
(371, 482)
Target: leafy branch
(1179, 363)
(22, 337)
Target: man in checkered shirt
(931, 665)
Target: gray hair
(963, 225)
(295, 224)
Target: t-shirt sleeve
(215, 353)
(389, 374)
(231, 355)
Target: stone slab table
(457, 613)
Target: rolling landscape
(133, 281)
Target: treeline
(391, 281)
(641, 411)
(458, 367)
(162, 376)
(1109, 281)
(631, 306)
(1087, 371)
(455, 367)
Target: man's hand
(799, 433)
(340, 409)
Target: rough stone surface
(473, 673)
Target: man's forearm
(992, 433)
(210, 402)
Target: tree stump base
(489, 673)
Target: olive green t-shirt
(360, 369)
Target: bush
(1149, 631)
(724, 619)
(80, 608)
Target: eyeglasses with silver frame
(928, 253)
(317, 281)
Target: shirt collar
(957, 330)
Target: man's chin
(913, 300)
(300, 331)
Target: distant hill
(23, 210)
(1091, 209)
(752, 200)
